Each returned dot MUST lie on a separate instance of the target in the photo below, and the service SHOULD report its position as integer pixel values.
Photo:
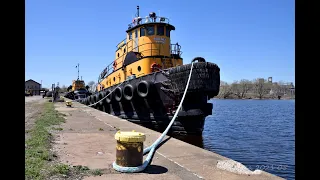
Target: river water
(258, 133)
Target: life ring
(155, 65)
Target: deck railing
(155, 49)
(138, 21)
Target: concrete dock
(87, 139)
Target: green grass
(58, 129)
(96, 172)
(60, 169)
(37, 154)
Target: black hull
(155, 97)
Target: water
(258, 133)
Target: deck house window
(160, 30)
(136, 33)
(130, 35)
(167, 31)
(150, 30)
(142, 32)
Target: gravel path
(33, 107)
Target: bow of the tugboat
(204, 85)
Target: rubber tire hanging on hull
(109, 98)
(100, 96)
(144, 88)
(118, 94)
(128, 92)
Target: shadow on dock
(155, 169)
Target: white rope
(151, 149)
(107, 95)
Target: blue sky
(246, 38)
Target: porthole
(114, 78)
(139, 68)
(118, 54)
(124, 50)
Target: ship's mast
(137, 15)
(78, 71)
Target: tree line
(244, 89)
(256, 89)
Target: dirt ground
(33, 107)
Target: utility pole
(52, 93)
(40, 88)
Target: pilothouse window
(167, 31)
(142, 32)
(150, 30)
(160, 30)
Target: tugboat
(77, 91)
(147, 80)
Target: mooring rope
(108, 94)
(151, 149)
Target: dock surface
(87, 139)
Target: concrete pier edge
(202, 163)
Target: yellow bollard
(129, 151)
(69, 103)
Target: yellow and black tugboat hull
(152, 100)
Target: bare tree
(275, 90)
(245, 86)
(236, 89)
(92, 86)
(283, 87)
(63, 88)
(225, 90)
(260, 87)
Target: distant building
(261, 80)
(33, 86)
(292, 89)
